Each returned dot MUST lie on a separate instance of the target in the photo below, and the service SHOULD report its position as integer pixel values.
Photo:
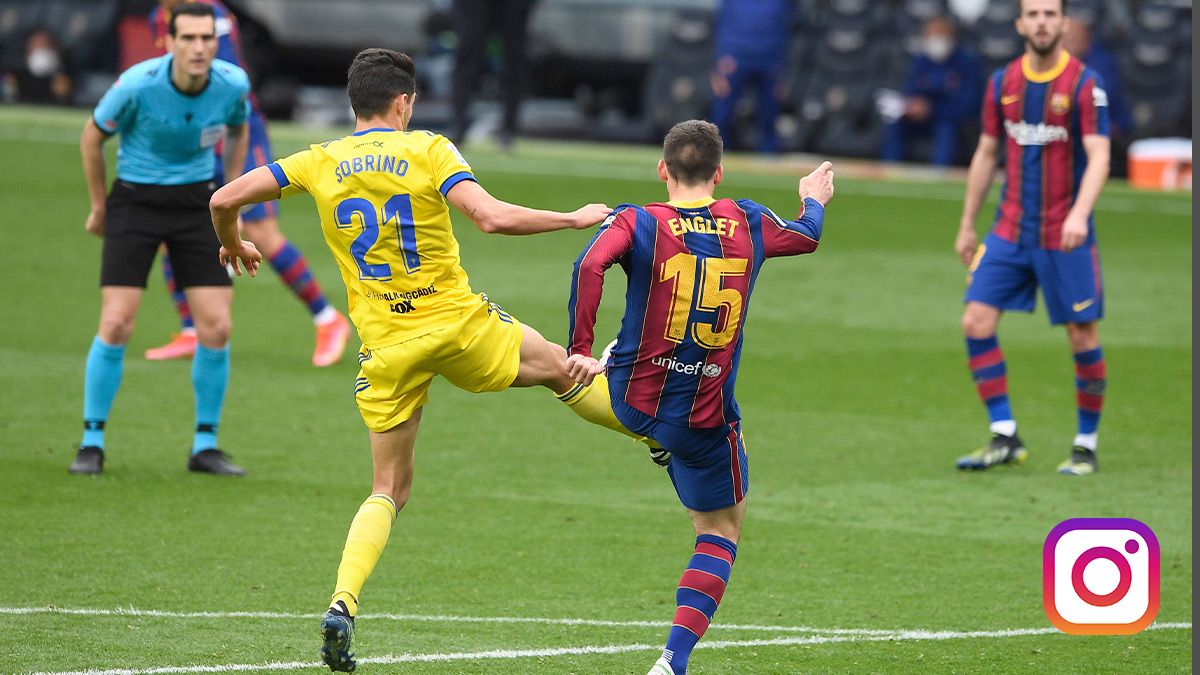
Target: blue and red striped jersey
(691, 268)
(1043, 118)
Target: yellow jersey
(380, 194)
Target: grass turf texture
(854, 389)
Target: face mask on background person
(938, 48)
(43, 62)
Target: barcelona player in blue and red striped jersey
(259, 221)
(692, 263)
(1050, 112)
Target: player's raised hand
(583, 369)
(247, 254)
(589, 215)
(1074, 232)
(818, 184)
(95, 222)
(966, 243)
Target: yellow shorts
(481, 352)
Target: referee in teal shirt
(170, 113)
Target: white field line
(432, 618)
(885, 636)
(626, 172)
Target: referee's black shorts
(141, 217)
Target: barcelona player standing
(692, 263)
(259, 221)
(1050, 111)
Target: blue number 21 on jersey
(397, 208)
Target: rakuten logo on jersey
(697, 368)
(1025, 133)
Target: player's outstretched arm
(254, 187)
(818, 185)
(979, 180)
(496, 216)
(91, 149)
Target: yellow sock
(592, 403)
(364, 544)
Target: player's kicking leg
(392, 461)
(1091, 375)
(102, 375)
(543, 363)
(989, 372)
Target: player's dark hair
(190, 9)
(692, 151)
(376, 77)
(1064, 7)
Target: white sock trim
(327, 315)
(1086, 440)
(1004, 427)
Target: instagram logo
(1100, 576)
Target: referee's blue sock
(210, 374)
(101, 379)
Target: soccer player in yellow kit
(382, 196)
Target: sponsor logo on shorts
(697, 368)
(1080, 306)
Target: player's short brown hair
(692, 151)
(190, 9)
(1063, 4)
(376, 77)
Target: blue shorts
(708, 468)
(1006, 276)
(258, 154)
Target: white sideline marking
(886, 636)
(433, 618)
(821, 636)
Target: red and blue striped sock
(699, 593)
(1091, 377)
(291, 266)
(990, 375)
(177, 295)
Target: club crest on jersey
(1060, 104)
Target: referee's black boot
(214, 461)
(89, 460)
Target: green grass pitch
(856, 399)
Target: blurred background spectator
(752, 45)
(1080, 42)
(475, 22)
(941, 98)
(43, 78)
(812, 73)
